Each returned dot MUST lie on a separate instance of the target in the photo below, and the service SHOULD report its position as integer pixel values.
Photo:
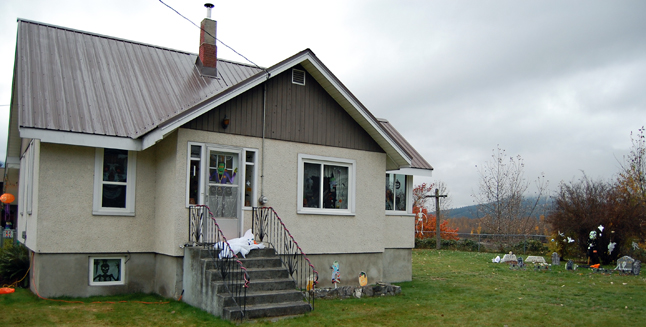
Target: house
(111, 141)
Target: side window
(194, 175)
(114, 182)
(397, 192)
(250, 178)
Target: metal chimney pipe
(208, 6)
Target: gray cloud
(559, 82)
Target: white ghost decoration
(611, 246)
(600, 228)
(570, 240)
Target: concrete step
(261, 262)
(253, 273)
(260, 285)
(268, 310)
(267, 252)
(264, 297)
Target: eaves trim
(412, 171)
(80, 139)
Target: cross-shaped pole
(437, 197)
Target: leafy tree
(581, 207)
(501, 200)
(420, 193)
(425, 226)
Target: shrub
(530, 246)
(14, 264)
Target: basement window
(106, 271)
(298, 77)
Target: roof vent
(298, 76)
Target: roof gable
(303, 113)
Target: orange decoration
(6, 290)
(7, 198)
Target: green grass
(448, 288)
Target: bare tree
(501, 197)
(632, 179)
(422, 191)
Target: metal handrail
(268, 228)
(207, 233)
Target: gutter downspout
(263, 199)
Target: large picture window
(114, 182)
(325, 185)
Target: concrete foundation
(390, 266)
(55, 275)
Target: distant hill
(471, 212)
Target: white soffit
(91, 140)
(412, 171)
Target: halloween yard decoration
(336, 274)
(242, 245)
(363, 279)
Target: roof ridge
(128, 41)
(99, 35)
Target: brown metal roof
(75, 81)
(417, 161)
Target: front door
(222, 190)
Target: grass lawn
(448, 288)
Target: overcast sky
(560, 83)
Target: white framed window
(398, 193)
(199, 164)
(326, 185)
(114, 182)
(250, 173)
(194, 178)
(106, 271)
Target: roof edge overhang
(80, 139)
(412, 171)
(323, 76)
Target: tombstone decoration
(536, 259)
(636, 267)
(556, 260)
(625, 264)
(509, 257)
(569, 265)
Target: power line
(238, 53)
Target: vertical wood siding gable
(295, 113)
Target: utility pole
(437, 197)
